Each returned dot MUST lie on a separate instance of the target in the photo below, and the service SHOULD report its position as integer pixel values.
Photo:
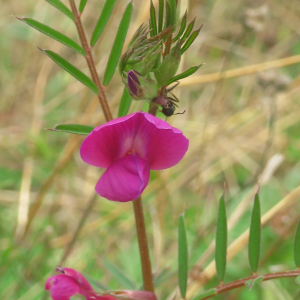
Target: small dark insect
(167, 103)
(169, 109)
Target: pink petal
(156, 141)
(108, 142)
(125, 179)
(79, 278)
(62, 287)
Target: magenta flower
(128, 148)
(70, 282)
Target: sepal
(139, 87)
(169, 66)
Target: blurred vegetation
(239, 128)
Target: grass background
(243, 126)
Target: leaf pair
(221, 238)
(103, 19)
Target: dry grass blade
(71, 146)
(279, 63)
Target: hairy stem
(142, 235)
(143, 245)
(222, 288)
(90, 62)
(137, 204)
(152, 109)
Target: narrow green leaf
(210, 292)
(188, 30)
(72, 70)
(153, 26)
(60, 6)
(53, 34)
(103, 19)
(185, 74)
(73, 128)
(182, 257)
(124, 104)
(190, 40)
(297, 247)
(168, 15)
(119, 275)
(221, 240)
(118, 45)
(161, 15)
(173, 13)
(82, 5)
(182, 27)
(254, 235)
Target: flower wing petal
(79, 278)
(156, 141)
(62, 287)
(125, 179)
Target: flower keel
(125, 179)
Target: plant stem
(152, 109)
(222, 288)
(90, 62)
(137, 204)
(141, 233)
(143, 244)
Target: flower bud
(143, 52)
(147, 61)
(169, 66)
(139, 87)
(133, 82)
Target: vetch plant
(129, 146)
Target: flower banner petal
(108, 142)
(125, 179)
